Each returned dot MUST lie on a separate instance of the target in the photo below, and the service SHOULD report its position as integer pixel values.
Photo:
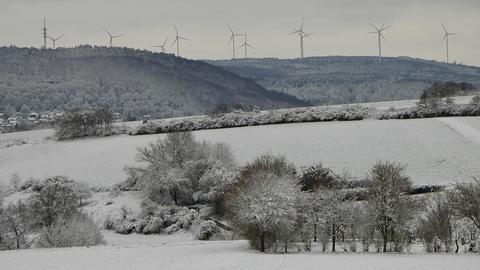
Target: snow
(219, 255)
(432, 151)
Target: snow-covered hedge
(429, 112)
(241, 119)
(299, 115)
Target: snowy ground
(179, 253)
(434, 151)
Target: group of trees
(441, 93)
(79, 122)
(272, 206)
(50, 217)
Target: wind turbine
(177, 40)
(379, 31)
(111, 37)
(302, 35)
(162, 47)
(44, 33)
(232, 40)
(245, 44)
(445, 38)
(55, 39)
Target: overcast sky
(339, 27)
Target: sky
(339, 27)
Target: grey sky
(340, 27)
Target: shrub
(317, 176)
(205, 230)
(79, 230)
(154, 225)
(476, 100)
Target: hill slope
(350, 79)
(131, 82)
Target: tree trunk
(334, 238)
(456, 243)
(385, 234)
(385, 243)
(286, 246)
(314, 232)
(18, 239)
(262, 242)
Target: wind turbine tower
(111, 37)
(162, 47)
(177, 40)
(302, 35)
(245, 45)
(55, 39)
(44, 33)
(232, 40)
(379, 32)
(445, 38)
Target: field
(434, 151)
(180, 252)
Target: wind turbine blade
(230, 28)
(60, 36)
(444, 37)
(182, 38)
(453, 34)
(176, 40)
(295, 32)
(374, 27)
(165, 42)
(241, 46)
(385, 28)
(444, 29)
(301, 28)
(383, 25)
(176, 30)
(383, 37)
(250, 46)
(231, 38)
(376, 32)
(117, 36)
(105, 29)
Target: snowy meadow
(434, 151)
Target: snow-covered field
(434, 151)
(173, 253)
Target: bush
(77, 231)
(317, 176)
(154, 225)
(205, 230)
(476, 100)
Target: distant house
(33, 117)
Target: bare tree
(465, 200)
(16, 220)
(391, 208)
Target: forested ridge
(350, 79)
(128, 81)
